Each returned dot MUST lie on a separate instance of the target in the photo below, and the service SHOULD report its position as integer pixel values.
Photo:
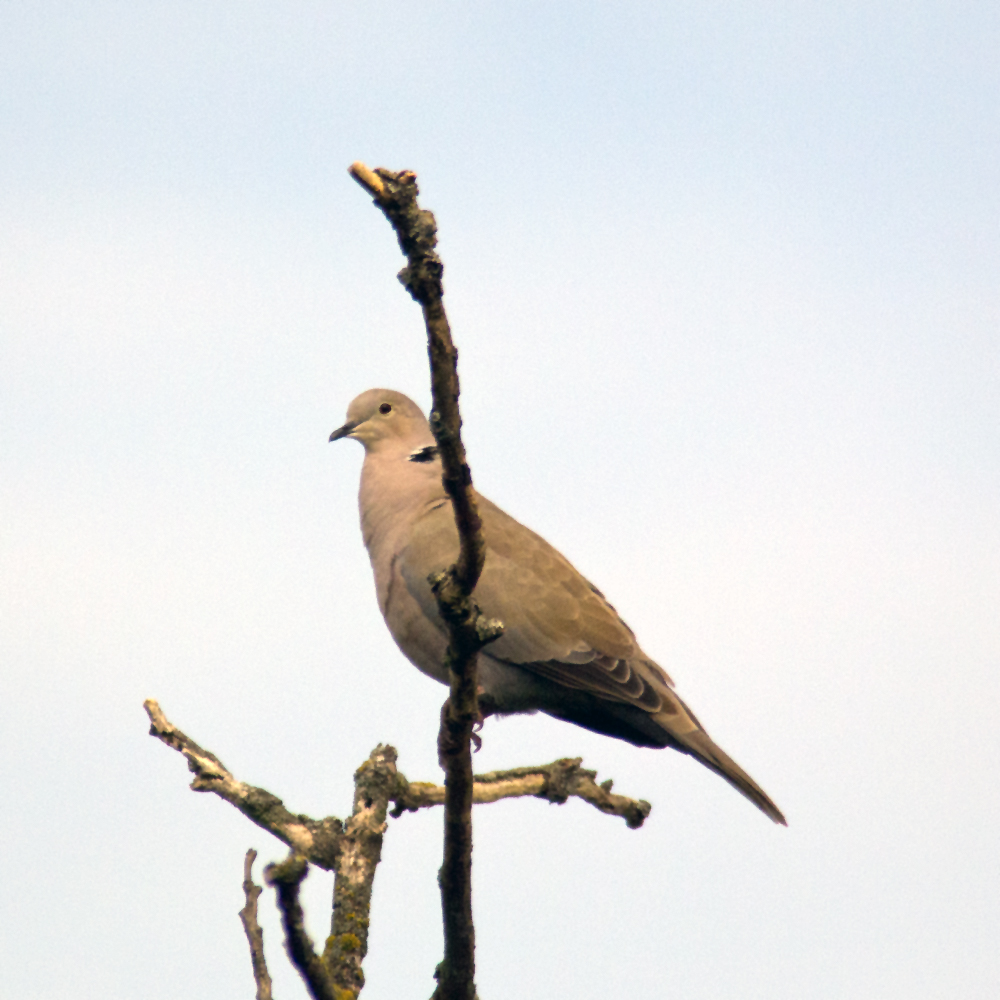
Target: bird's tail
(698, 744)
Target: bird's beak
(345, 430)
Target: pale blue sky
(725, 283)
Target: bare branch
(416, 230)
(353, 853)
(316, 840)
(254, 932)
(353, 850)
(286, 878)
(376, 782)
(555, 782)
(468, 629)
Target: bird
(564, 650)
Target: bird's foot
(451, 733)
(487, 707)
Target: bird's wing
(556, 623)
(560, 626)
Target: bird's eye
(385, 408)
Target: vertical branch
(255, 935)
(456, 973)
(396, 195)
(376, 782)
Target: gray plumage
(564, 651)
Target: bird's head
(381, 418)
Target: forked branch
(354, 853)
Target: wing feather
(557, 624)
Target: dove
(564, 650)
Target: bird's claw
(486, 707)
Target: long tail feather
(699, 745)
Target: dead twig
(254, 932)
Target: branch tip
(367, 178)
(318, 840)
